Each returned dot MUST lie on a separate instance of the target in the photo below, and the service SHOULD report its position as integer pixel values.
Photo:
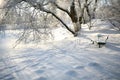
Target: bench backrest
(102, 38)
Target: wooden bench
(101, 40)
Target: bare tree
(76, 15)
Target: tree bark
(74, 17)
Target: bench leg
(99, 45)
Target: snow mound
(61, 33)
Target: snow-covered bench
(101, 40)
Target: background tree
(109, 10)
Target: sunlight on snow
(60, 34)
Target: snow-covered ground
(73, 58)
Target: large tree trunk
(77, 26)
(74, 17)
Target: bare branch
(47, 11)
(40, 7)
(61, 8)
(79, 3)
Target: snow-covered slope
(73, 58)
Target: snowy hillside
(67, 58)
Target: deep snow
(73, 58)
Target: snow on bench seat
(100, 39)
